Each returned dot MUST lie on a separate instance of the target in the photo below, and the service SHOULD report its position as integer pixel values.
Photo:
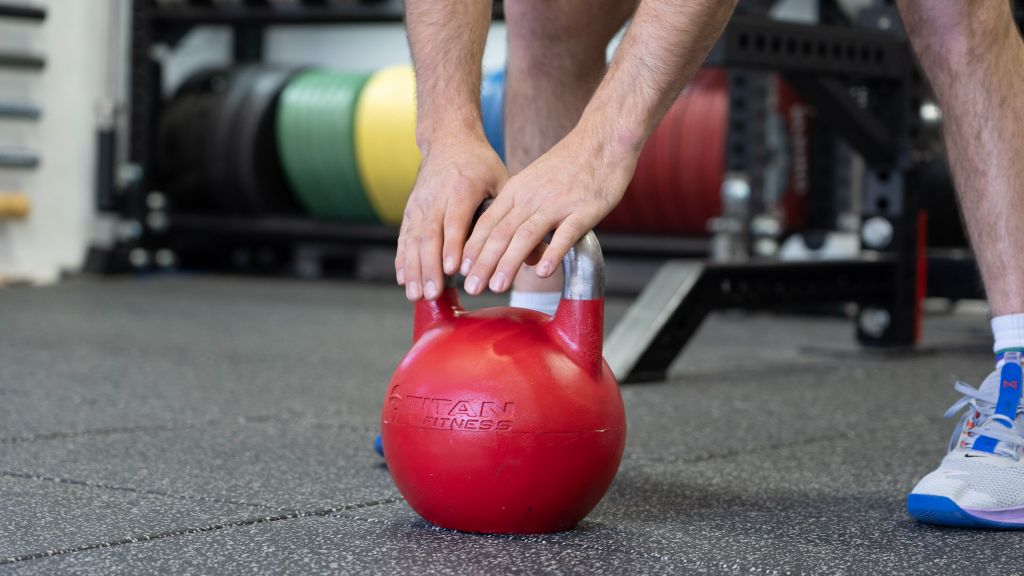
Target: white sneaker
(980, 482)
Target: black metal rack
(861, 81)
(866, 90)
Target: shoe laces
(981, 420)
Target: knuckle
(530, 229)
(505, 229)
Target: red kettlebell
(507, 420)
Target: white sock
(546, 302)
(1009, 332)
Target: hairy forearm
(447, 40)
(665, 44)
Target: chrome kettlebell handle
(583, 266)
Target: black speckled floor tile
(221, 426)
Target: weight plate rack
(859, 80)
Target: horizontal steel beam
(763, 44)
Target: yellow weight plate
(385, 135)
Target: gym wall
(74, 41)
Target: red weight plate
(647, 208)
(665, 191)
(713, 162)
(694, 129)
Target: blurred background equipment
(385, 134)
(316, 139)
(14, 205)
(249, 141)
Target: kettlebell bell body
(506, 420)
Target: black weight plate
(202, 82)
(183, 134)
(257, 163)
(224, 186)
(179, 171)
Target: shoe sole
(942, 511)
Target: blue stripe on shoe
(942, 511)
(1009, 399)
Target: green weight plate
(293, 133)
(333, 150)
(315, 140)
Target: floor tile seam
(251, 521)
(142, 491)
(243, 420)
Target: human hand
(569, 190)
(456, 175)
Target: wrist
(612, 137)
(449, 126)
(618, 134)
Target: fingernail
(413, 290)
(544, 269)
(473, 285)
(499, 282)
(401, 276)
(430, 290)
(466, 265)
(449, 265)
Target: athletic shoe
(980, 482)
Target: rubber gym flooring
(223, 426)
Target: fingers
(524, 242)
(413, 285)
(400, 253)
(457, 219)
(568, 233)
(509, 242)
(430, 242)
(535, 254)
(475, 282)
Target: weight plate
(257, 167)
(713, 164)
(183, 135)
(224, 186)
(686, 201)
(316, 114)
(336, 152)
(492, 110)
(203, 81)
(386, 141)
(677, 183)
(179, 167)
